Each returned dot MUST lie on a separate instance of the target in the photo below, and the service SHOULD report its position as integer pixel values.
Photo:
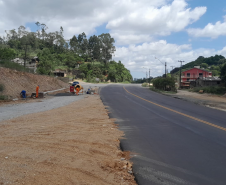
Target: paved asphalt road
(172, 141)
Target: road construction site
(61, 139)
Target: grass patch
(2, 87)
(162, 92)
(12, 65)
(211, 90)
(3, 97)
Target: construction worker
(77, 90)
(37, 88)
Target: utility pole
(163, 64)
(180, 71)
(165, 69)
(149, 77)
(172, 67)
(146, 77)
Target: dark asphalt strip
(166, 147)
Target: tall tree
(74, 44)
(107, 46)
(82, 44)
(94, 47)
(223, 73)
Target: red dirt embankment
(16, 81)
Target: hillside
(213, 64)
(93, 55)
(15, 81)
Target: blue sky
(170, 30)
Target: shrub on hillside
(12, 65)
(3, 97)
(1, 87)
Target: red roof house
(193, 74)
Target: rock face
(16, 81)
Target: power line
(163, 64)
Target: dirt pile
(75, 144)
(16, 81)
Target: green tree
(107, 46)
(94, 47)
(82, 44)
(7, 53)
(74, 44)
(204, 65)
(223, 73)
(215, 73)
(46, 63)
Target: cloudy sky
(169, 30)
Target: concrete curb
(54, 90)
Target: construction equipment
(77, 88)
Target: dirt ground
(16, 81)
(75, 144)
(208, 100)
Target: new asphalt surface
(172, 141)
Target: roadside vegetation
(90, 58)
(2, 97)
(164, 84)
(13, 65)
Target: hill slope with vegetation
(215, 64)
(91, 56)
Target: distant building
(206, 81)
(193, 74)
(18, 61)
(32, 64)
(60, 73)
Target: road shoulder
(73, 144)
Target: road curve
(172, 141)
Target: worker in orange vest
(37, 88)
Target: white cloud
(153, 20)
(143, 17)
(131, 22)
(127, 39)
(142, 57)
(210, 30)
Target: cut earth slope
(15, 81)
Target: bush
(2, 87)
(164, 84)
(145, 84)
(3, 97)
(12, 65)
(212, 90)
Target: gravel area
(9, 111)
(14, 110)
